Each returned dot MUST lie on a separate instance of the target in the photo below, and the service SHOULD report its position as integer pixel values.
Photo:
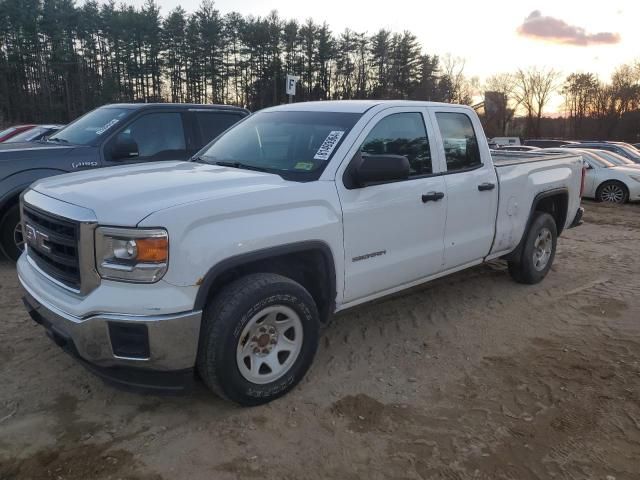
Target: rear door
(393, 232)
(211, 123)
(471, 184)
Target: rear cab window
(460, 141)
(210, 124)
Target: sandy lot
(470, 377)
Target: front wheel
(11, 239)
(538, 251)
(258, 338)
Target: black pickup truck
(107, 136)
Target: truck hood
(30, 151)
(123, 196)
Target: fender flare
(515, 254)
(26, 178)
(10, 195)
(263, 254)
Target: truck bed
(522, 176)
(501, 159)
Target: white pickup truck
(229, 264)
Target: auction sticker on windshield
(324, 152)
(106, 126)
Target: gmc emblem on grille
(36, 238)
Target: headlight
(132, 254)
(635, 177)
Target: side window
(460, 142)
(401, 134)
(158, 136)
(212, 124)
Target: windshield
(294, 145)
(89, 128)
(597, 160)
(29, 135)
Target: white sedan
(604, 180)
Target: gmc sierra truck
(228, 265)
(110, 135)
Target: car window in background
(614, 158)
(294, 145)
(159, 136)
(30, 135)
(401, 134)
(212, 124)
(629, 152)
(7, 131)
(460, 142)
(89, 128)
(597, 161)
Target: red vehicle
(15, 130)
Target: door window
(401, 134)
(158, 136)
(460, 141)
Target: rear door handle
(432, 197)
(486, 186)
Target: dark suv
(107, 136)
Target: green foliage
(59, 59)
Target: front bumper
(165, 361)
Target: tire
(612, 192)
(538, 251)
(244, 327)
(10, 244)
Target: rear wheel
(538, 251)
(11, 239)
(612, 192)
(258, 338)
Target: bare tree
(579, 92)
(534, 88)
(461, 88)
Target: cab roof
(351, 106)
(181, 106)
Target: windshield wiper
(199, 160)
(241, 165)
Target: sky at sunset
(493, 36)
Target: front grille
(53, 245)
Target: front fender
(205, 233)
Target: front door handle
(486, 186)
(432, 197)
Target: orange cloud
(550, 29)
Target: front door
(154, 136)
(393, 232)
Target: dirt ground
(470, 377)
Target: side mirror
(124, 148)
(367, 169)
